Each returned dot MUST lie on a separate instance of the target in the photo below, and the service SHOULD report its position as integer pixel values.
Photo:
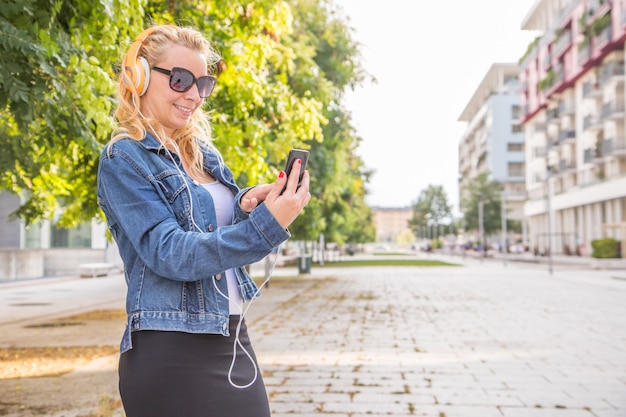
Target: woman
(185, 232)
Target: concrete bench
(95, 269)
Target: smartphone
(293, 155)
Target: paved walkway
(481, 340)
(478, 340)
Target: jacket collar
(213, 162)
(151, 143)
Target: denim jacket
(153, 210)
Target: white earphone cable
(237, 342)
(244, 311)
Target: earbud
(137, 67)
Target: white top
(224, 202)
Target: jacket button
(211, 227)
(218, 277)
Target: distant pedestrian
(185, 232)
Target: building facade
(493, 142)
(43, 249)
(392, 224)
(573, 101)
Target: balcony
(604, 148)
(565, 108)
(584, 53)
(547, 61)
(552, 116)
(567, 136)
(590, 155)
(612, 147)
(552, 141)
(540, 127)
(613, 110)
(614, 71)
(591, 89)
(566, 165)
(603, 38)
(553, 80)
(560, 74)
(562, 43)
(591, 122)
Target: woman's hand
(287, 206)
(254, 196)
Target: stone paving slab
(479, 340)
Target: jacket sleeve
(142, 222)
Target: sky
(428, 59)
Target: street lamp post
(503, 208)
(481, 228)
(549, 216)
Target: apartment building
(392, 224)
(573, 100)
(43, 249)
(493, 142)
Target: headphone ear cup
(137, 67)
(144, 75)
(133, 68)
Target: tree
(285, 67)
(338, 207)
(57, 79)
(488, 191)
(431, 209)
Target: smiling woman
(186, 233)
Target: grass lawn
(387, 262)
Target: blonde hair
(132, 123)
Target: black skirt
(175, 374)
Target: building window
(516, 169)
(515, 147)
(515, 111)
(32, 236)
(76, 237)
(517, 128)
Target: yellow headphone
(137, 67)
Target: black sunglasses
(182, 80)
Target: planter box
(608, 263)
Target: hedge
(605, 248)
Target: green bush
(605, 248)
